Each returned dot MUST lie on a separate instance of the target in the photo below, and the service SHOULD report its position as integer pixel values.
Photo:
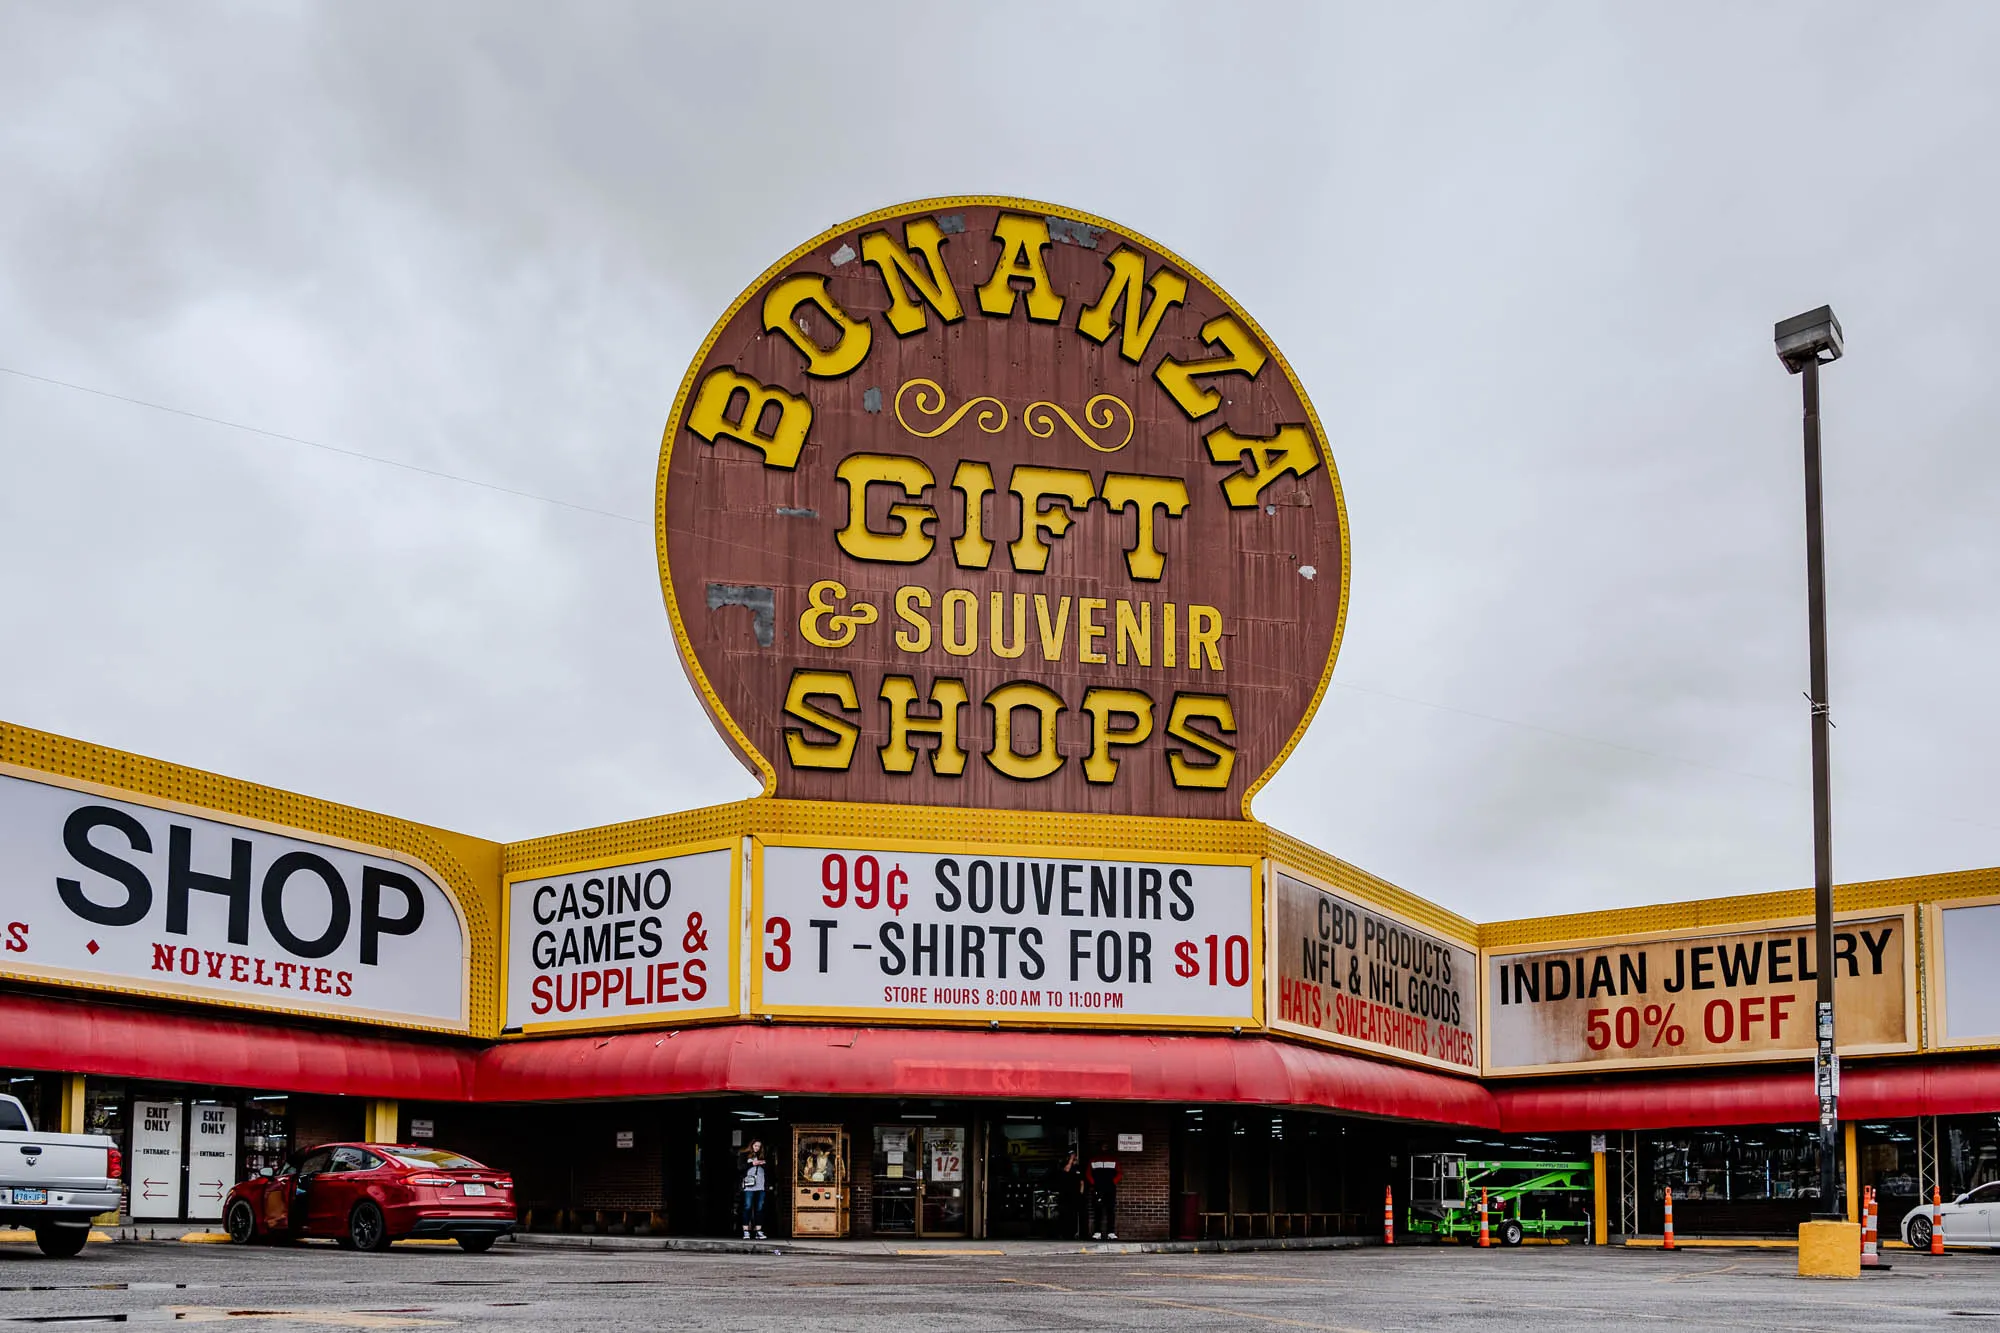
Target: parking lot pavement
(1546, 1290)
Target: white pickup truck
(54, 1183)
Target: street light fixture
(1805, 343)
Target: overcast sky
(1525, 258)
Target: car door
(1977, 1217)
(332, 1194)
(298, 1199)
(274, 1201)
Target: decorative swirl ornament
(930, 401)
(1041, 424)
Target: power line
(440, 475)
(327, 448)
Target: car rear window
(434, 1158)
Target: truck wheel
(367, 1230)
(1510, 1232)
(476, 1244)
(61, 1242)
(241, 1224)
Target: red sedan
(365, 1195)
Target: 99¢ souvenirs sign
(1350, 974)
(112, 893)
(642, 941)
(985, 502)
(1735, 995)
(892, 934)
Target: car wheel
(1510, 1232)
(367, 1230)
(1920, 1233)
(61, 1242)
(476, 1244)
(241, 1223)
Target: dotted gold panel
(1696, 915)
(1289, 851)
(467, 867)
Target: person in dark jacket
(1070, 1201)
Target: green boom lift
(1445, 1189)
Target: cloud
(1525, 260)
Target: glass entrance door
(945, 1192)
(898, 1175)
(922, 1186)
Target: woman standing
(753, 1189)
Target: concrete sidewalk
(911, 1246)
(908, 1246)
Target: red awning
(129, 1041)
(119, 1041)
(1768, 1096)
(956, 1062)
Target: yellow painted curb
(17, 1236)
(205, 1238)
(1716, 1243)
(426, 1240)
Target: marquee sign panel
(979, 933)
(1737, 994)
(115, 893)
(986, 502)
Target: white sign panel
(211, 1158)
(1970, 939)
(156, 1159)
(648, 940)
(111, 892)
(910, 934)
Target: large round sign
(986, 502)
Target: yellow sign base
(1829, 1249)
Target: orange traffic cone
(1668, 1243)
(1937, 1221)
(1388, 1214)
(1871, 1246)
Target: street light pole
(1805, 342)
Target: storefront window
(1752, 1179)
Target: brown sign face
(1694, 999)
(983, 502)
(1349, 974)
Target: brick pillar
(1145, 1200)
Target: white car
(1970, 1219)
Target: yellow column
(71, 1110)
(1853, 1178)
(1600, 1224)
(381, 1121)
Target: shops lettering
(825, 709)
(288, 876)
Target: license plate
(475, 1189)
(31, 1196)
